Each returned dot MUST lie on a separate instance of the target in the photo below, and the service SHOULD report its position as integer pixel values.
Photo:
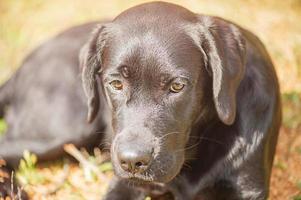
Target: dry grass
(286, 175)
(26, 24)
(63, 179)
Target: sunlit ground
(26, 24)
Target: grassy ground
(26, 24)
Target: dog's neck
(206, 145)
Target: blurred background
(24, 24)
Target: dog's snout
(134, 161)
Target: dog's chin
(144, 182)
(148, 178)
(142, 179)
(150, 187)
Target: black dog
(174, 89)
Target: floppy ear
(224, 51)
(90, 63)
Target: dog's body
(44, 102)
(225, 128)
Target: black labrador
(189, 103)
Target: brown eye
(176, 87)
(117, 85)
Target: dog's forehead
(152, 49)
(157, 12)
(153, 36)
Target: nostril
(125, 166)
(138, 164)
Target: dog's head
(161, 66)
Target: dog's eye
(176, 87)
(116, 84)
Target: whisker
(190, 147)
(186, 165)
(196, 137)
(170, 133)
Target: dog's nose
(134, 161)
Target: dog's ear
(90, 59)
(224, 50)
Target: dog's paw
(8, 187)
